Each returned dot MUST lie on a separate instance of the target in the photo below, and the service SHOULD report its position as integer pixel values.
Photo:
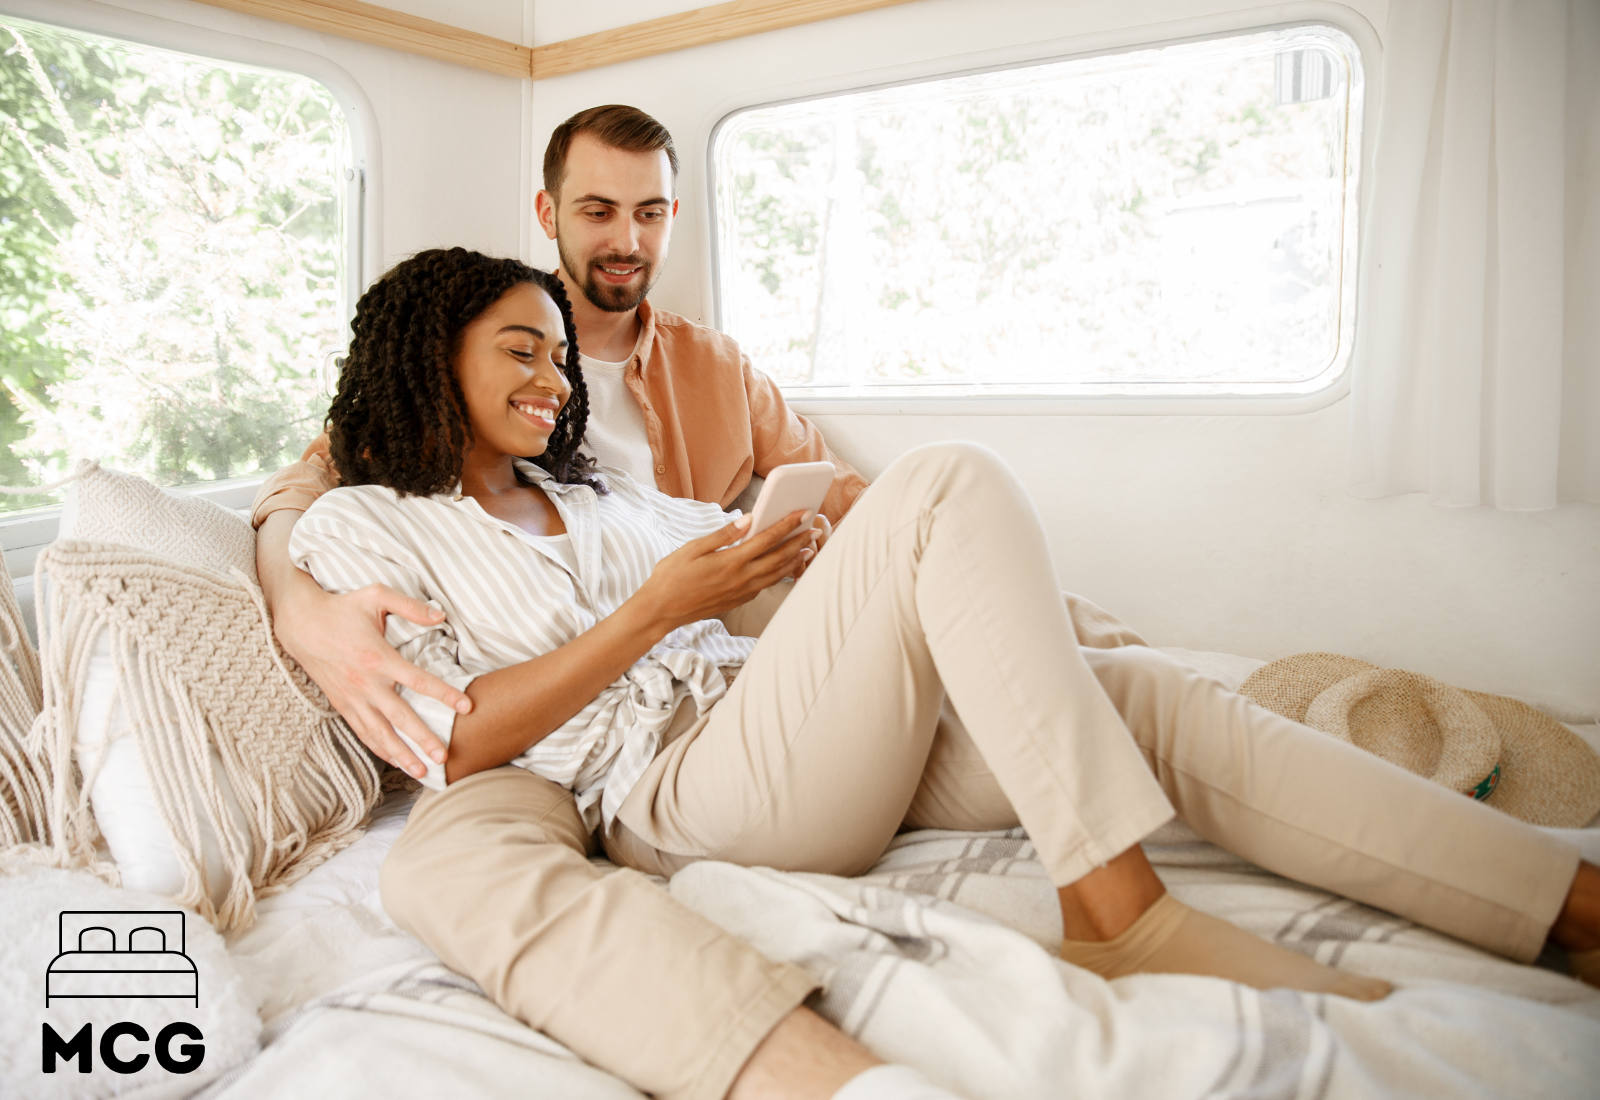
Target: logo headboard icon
(122, 953)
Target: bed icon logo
(121, 954)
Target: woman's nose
(555, 379)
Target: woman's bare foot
(1171, 938)
(1120, 920)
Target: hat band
(1483, 790)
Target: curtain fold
(1476, 349)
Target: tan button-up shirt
(712, 420)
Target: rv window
(173, 242)
(1178, 219)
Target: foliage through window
(172, 246)
(1178, 219)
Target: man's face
(611, 221)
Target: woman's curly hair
(399, 418)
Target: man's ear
(544, 205)
(674, 209)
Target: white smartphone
(798, 485)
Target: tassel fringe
(238, 743)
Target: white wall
(1214, 531)
(1211, 531)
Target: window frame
(24, 535)
(1315, 14)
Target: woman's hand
(707, 576)
(821, 531)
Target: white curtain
(1477, 356)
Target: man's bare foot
(1577, 926)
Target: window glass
(172, 252)
(1177, 219)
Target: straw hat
(1488, 746)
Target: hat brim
(1288, 685)
(1548, 774)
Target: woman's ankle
(1106, 902)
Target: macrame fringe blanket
(216, 712)
(24, 777)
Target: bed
(114, 953)
(941, 957)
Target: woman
(580, 615)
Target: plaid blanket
(942, 957)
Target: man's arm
(339, 640)
(294, 487)
(778, 435)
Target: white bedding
(941, 957)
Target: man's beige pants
(937, 597)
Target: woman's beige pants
(937, 589)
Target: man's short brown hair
(616, 125)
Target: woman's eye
(525, 356)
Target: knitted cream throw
(24, 778)
(197, 671)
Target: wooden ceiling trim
(396, 30)
(699, 27)
(413, 34)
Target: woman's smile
(541, 411)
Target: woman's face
(511, 366)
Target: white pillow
(123, 799)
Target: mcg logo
(115, 954)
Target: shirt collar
(647, 336)
(533, 474)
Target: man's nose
(624, 236)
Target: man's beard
(612, 299)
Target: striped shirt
(509, 596)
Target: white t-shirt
(615, 435)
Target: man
(493, 874)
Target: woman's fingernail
(742, 522)
(418, 772)
(463, 706)
(438, 756)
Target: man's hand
(339, 641)
(707, 576)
